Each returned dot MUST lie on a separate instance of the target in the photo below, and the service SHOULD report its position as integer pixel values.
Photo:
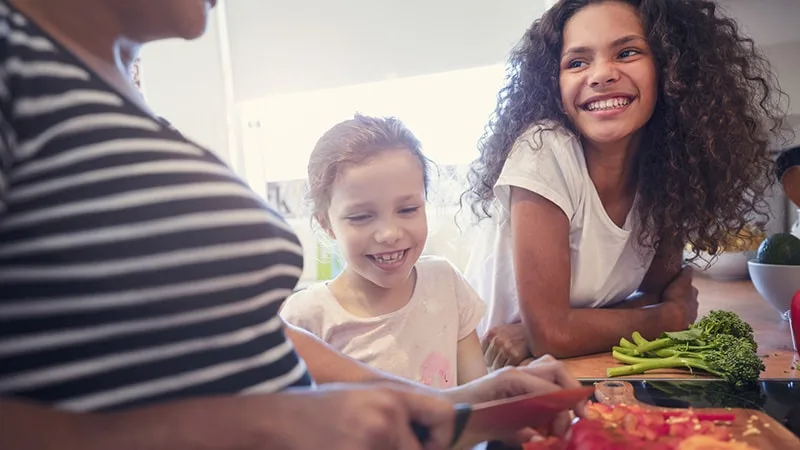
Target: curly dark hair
(703, 164)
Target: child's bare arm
(470, 359)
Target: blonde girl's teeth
(390, 258)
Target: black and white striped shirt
(134, 266)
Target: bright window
(446, 111)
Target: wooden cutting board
(772, 436)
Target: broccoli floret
(733, 359)
(698, 334)
(724, 322)
(737, 364)
(720, 343)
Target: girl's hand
(541, 376)
(505, 345)
(680, 297)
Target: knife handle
(462, 410)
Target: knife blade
(511, 414)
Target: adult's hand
(541, 376)
(363, 417)
(336, 417)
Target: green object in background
(779, 249)
(329, 263)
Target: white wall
(283, 47)
(785, 60)
(280, 47)
(184, 82)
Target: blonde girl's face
(377, 216)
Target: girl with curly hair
(626, 129)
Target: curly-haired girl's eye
(628, 53)
(574, 64)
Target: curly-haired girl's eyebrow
(617, 42)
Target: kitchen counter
(771, 332)
(774, 342)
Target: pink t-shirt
(418, 341)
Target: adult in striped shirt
(140, 279)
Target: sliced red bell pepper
(713, 417)
(594, 435)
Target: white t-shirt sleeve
(303, 310)
(544, 162)
(470, 306)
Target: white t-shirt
(418, 342)
(607, 263)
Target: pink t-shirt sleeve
(470, 306)
(303, 310)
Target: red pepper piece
(714, 417)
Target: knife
(510, 414)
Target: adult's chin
(194, 29)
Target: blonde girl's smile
(378, 219)
(389, 261)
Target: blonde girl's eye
(357, 218)
(409, 210)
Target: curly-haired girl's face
(607, 74)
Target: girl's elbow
(554, 346)
(548, 339)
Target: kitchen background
(268, 78)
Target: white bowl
(727, 266)
(776, 283)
